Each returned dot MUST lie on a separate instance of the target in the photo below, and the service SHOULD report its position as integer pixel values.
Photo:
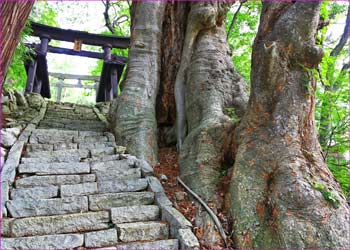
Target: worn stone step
(50, 138)
(140, 231)
(90, 139)
(82, 153)
(112, 170)
(33, 181)
(96, 145)
(79, 189)
(54, 168)
(51, 147)
(101, 238)
(60, 224)
(89, 133)
(104, 151)
(103, 158)
(134, 213)
(117, 186)
(34, 193)
(107, 201)
(70, 158)
(20, 208)
(54, 132)
(172, 244)
(63, 241)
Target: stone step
(134, 213)
(82, 153)
(55, 168)
(63, 241)
(79, 189)
(90, 139)
(99, 202)
(142, 231)
(54, 132)
(105, 151)
(96, 145)
(60, 224)
(50, 138)
(156, 245)
(20, 208)
(104, 158)
(34, 193)
(117, 186)
(51, 147)
(50, 159)
(112, 170)
(101, 238)
(33, 181)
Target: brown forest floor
(169, 166)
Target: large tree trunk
(14, 15)
(133, 114)
(282, 193)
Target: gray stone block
(6, 227)
(71, 158)
(134, 213)
(155, 185)
(79, 189)
(96, 152)
(34, 193)
(140, 231)
(58, 224)
(117, 186)
(82, 153)
(4, 197)
(175, 219)
(39, 147)
(20, 208)
(55, 168)
(64, 146)
(33, 181)
(90, 139)
(187, 239)
(156, 245)
(96, 145)
(101, 238)
(106, 201)
(64, 241)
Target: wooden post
(59, 90)
(108, 88)
(114, 81)
(31, 77)
(37, 85)
(42, 51)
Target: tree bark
(282, 193)
(133, 114)
(14, 15)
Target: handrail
(72, 76)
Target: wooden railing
(60, 84)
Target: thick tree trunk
(133, 114)
(14, 15)
(282, 193)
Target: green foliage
(332, 97)
(16, 76)
(232, 114)
(242, 36)
(327, 194)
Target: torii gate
(113, 65)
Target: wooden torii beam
(37, 71)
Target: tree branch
(106, 16)
(234, 18)
(345, 36)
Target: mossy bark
(275, 193)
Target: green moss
(327, 194)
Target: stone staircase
(75, 188)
